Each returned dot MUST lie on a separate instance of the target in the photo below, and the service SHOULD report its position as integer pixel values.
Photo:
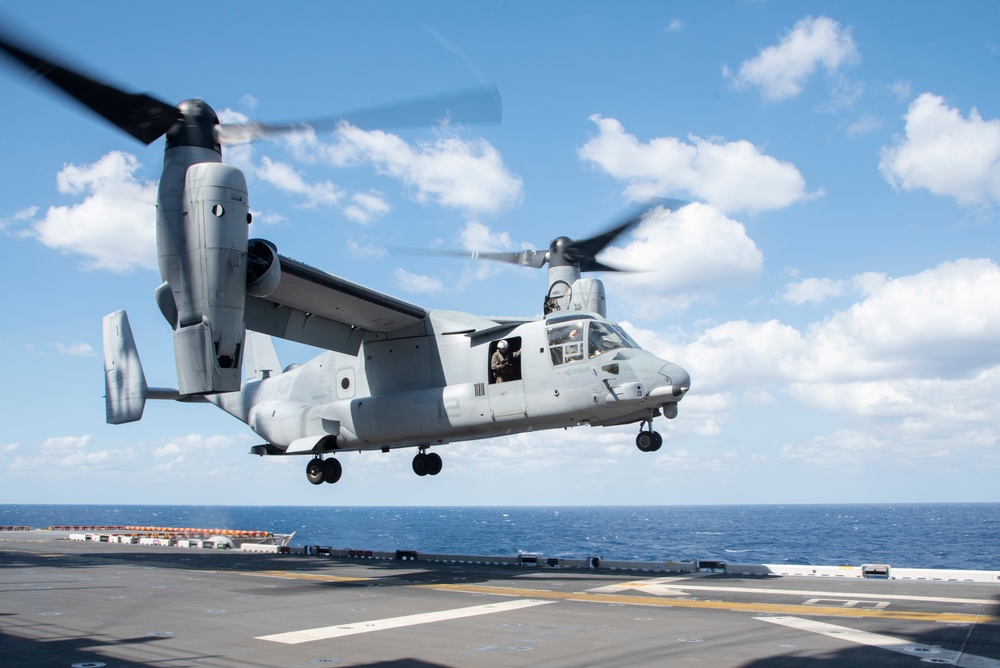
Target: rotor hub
(198, 126)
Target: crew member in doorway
(502, 364)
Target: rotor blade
(477, 105)
(525, 258)
(138, 114)
(584, 251)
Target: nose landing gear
(648, 440)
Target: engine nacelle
(588, 296)
(203, 254)
(263, 268)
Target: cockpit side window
(566, 342)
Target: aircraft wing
(312, 307)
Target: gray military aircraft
(393, 374)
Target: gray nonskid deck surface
(83, 604)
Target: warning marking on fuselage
(340, 630)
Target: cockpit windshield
(585, 339)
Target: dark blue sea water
(965, 536)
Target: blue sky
(833, 290)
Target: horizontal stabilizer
(125, 387)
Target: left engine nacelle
(206, 272)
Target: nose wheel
(319, 471)
(648, 440)
(427, 463)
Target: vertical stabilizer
(125, 387)
(262, 359)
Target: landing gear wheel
(316, 471)
(332, 470)
(644, 441)
(435, 463)
(421, 464)
(657, 442)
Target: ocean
(954, 536)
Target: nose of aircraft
(677, 377)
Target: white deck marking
(901, 645)
(327, 632)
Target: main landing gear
(648, 440)
(427, 463)
(323, 470)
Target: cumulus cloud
(865, 124)
(780, 71)
(285, 177)
(731, 176)
(114, 226)
(366, 207)
(418, 282)
(451, 170)
(679, 258)
(75, 349)
(813, 291)
(476, 236)
(941, 323)
(946, 153)
(21, 216)
(914, 363)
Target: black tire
(644, 441)
(316, 471)
(332, 470)
(421, 465)
(657, 442)
(434, 462)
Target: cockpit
(575, 338)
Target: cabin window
(505, 361)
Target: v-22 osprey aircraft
(393, 374)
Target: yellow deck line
(625, 599)
(290, 575)
(774, 608)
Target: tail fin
(261, 356)
(125, 388)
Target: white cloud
(902, 90)
(365, 249)
(366, 207)
(946, 153)
(679, 258)
(781, 71)
(813, 290)
(866, 124)
(418, 282)
(675, 25)
(287, 178)
(846, 447)
(941, 323)
(76, 349)
(731, 176)
(114, 226)
(479, 237)
(452, 171)
(21, 216)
